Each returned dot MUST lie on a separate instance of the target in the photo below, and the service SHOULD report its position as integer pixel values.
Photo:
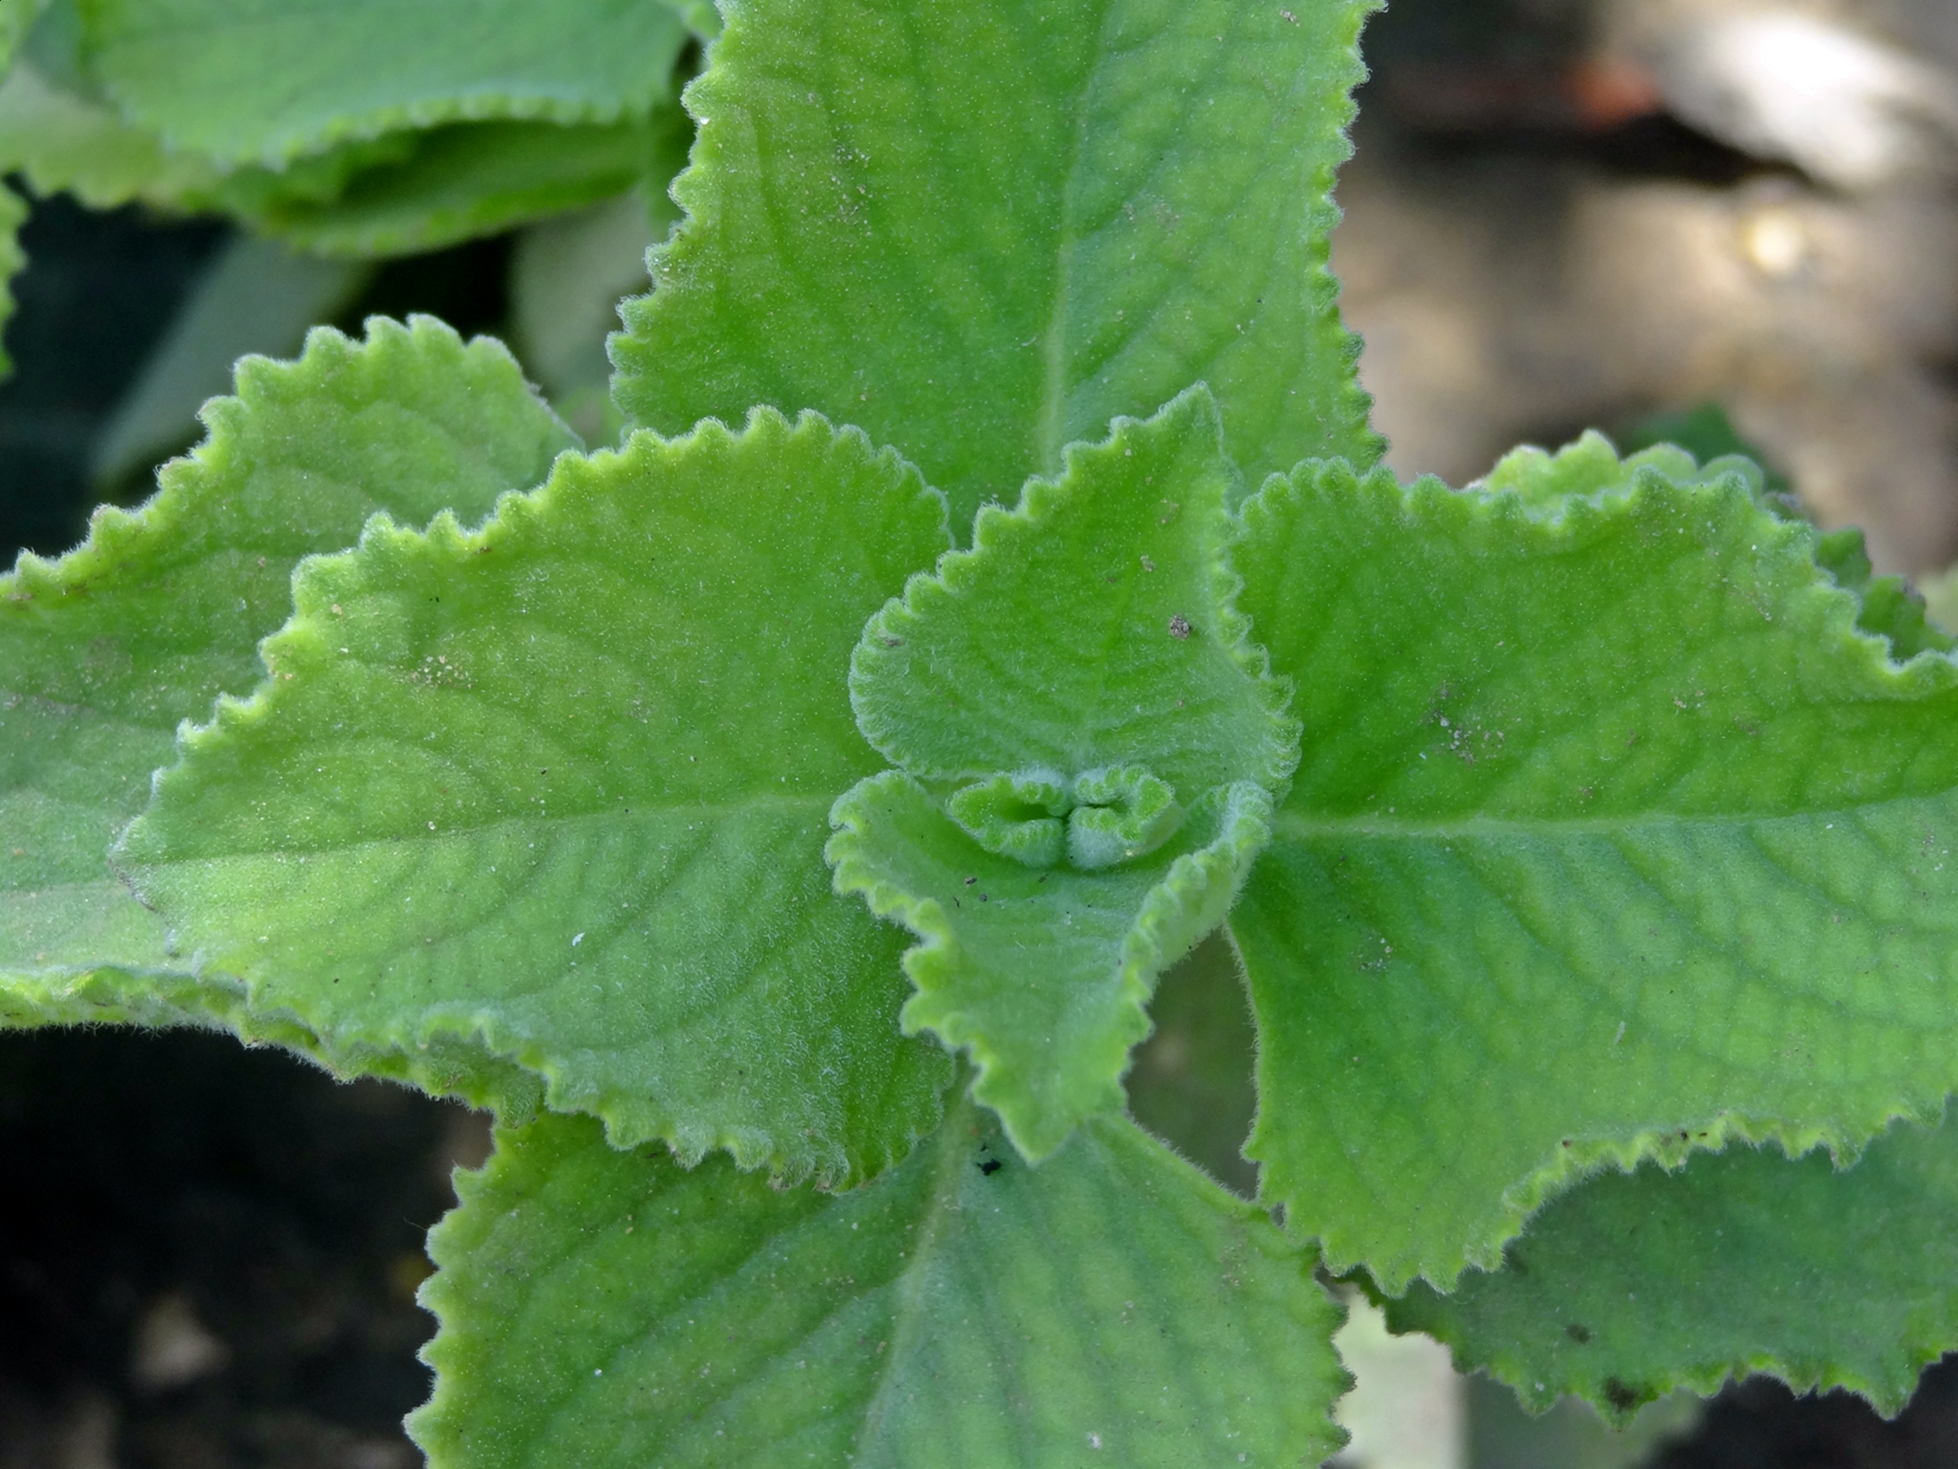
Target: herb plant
(782, 820)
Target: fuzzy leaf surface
(561, 786)
(1112, 1306)
(1613, 837)
(264, 81)
(1092, 626)
(1744, 1261)
(1042, 976)
(984, 231)
(105, 650)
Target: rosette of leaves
(759, 804)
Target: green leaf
(60, 139)
(1112, 1306)
(1629, 1286)
(13, 213)
(1043, 976)
(984, 231)
(104, 651)
(1613, 838)
(1091, 627)
(458, 182)
(264, 81)
(560, 786)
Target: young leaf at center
(560, 786)
(1088, 745)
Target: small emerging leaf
(609, 1310)
(1043, 976)
(1091, 627)
(1614, 837)
(1630, 1286)
(559, 787)
(983, 231)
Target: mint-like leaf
(1104, 737)
(609, 1309)
(559, 787)
(264, 81)
(1614, 837)
(1745, 1261)
(982, 232)
(104, 651)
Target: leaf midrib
(1051, 434)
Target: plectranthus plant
(784, 818)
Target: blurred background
(1732, 223)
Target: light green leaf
(58, 139)
(1091, 627)
(1627, 1287)
(1614, 837)
(13, 213)
(1043, 976)
(1110, 1307)
(560, 785)
(264, 81)
(984, 231)
(468, 179)
(104, 651)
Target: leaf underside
(104, 651)
(1111, 1306)
(464, 180)
(1632, 1285)
(264, 81)
(981, 232)
(1613, 838)
(559, 787)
